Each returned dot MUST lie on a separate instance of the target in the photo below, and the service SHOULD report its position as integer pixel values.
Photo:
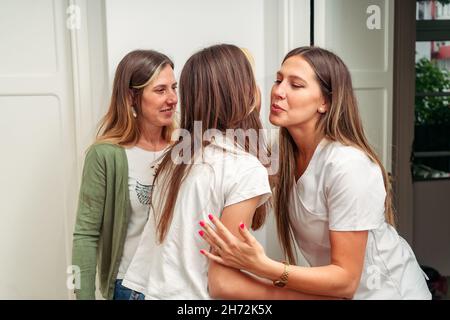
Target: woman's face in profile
(296, 95)
(159, 99)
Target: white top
(175, 269)
(342, 190)
(141, 169)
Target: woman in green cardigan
(118, 173)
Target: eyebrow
(292, 77)
(164, 85)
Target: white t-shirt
(141, 170)
(342, 190)
(175, 269)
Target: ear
(323, 108)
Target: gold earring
(133, 111)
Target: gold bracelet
(282, 281)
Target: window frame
(431, 30)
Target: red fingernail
(201, 233)
(210, 216)
(202, 223)
(202, 251)
(242, 226)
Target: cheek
(149, 104)
(304, 101)
(302, 107)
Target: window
(431, 156)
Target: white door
(361, 33)
(38, 164)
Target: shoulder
(349, 164)
(349, 170)
(339, 156)
(231, 157)
(105, 154)
(243, 162)
(105, 150)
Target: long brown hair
(340, 123)
(217, 88)
(136, 70)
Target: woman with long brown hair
(332, 195)
(118, 173)
(209, 169)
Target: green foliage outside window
(432, 110)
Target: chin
(165, 122)
(276, 121)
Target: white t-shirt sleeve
(248, 183)
(355, 194)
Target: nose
(172, 98)
(278, 91)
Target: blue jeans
(123, 293)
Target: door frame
(403, 115)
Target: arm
(226, 282)
(339, 279)
(88, 224)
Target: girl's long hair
(217, 89)
(134, 72)
(340, 123)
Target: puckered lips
(275, 108)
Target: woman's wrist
(269, 269)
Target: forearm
(330, 280)
(84, 261)
(227, 283)
(88, 225)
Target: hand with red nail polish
(230, 250)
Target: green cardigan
(102, 219)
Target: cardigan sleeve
(88, 223)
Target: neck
(151, 138)
(306, 139)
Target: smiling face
(159, 99)
(296, 97)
